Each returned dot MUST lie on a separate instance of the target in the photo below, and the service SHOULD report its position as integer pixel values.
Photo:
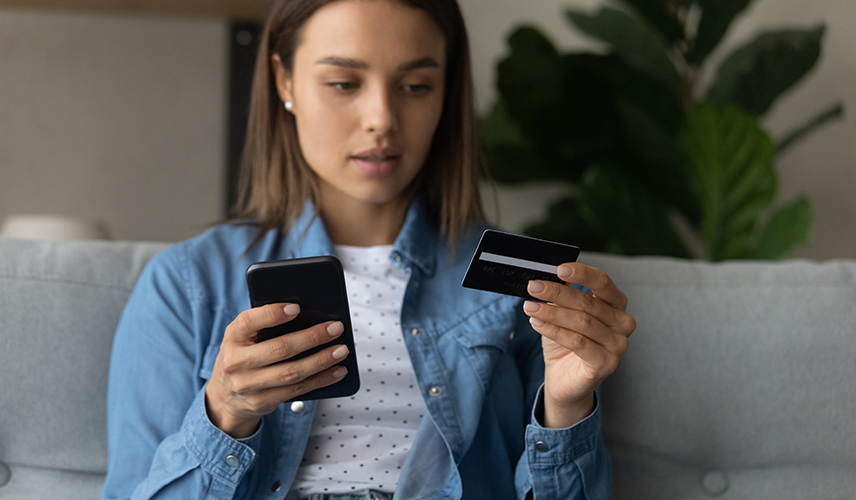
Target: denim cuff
(218, 453)
(551, 447)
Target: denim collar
(416, 243)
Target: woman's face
(367, 91)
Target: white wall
(113, 117)
(823, 167)
(123, 118)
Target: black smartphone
(317, 285)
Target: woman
(361, 144)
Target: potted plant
(648, 150)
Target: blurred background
(131, 113)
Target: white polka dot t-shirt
(361, 441)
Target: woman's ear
(282, 77)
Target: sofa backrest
(740, 381)
(59, 306)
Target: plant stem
(833, 113)
(690, 72)
(690, 85)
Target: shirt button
(511, 335)
(542, 446)
(397, 258)
(435, 391)
(275, 487)
(415, 332)
(714, 483)
(232, 461)
(298, 406)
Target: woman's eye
(342, 85)
(417, 88)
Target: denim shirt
(480, 438)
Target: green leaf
(508, 155)
(532, 86)
(580, 126)
(498, 128)
(729, 159)
(658, 164)
(650, 116)
(659, 17)
(626, 215)
(564, 224)
(607, 112)
(651, 140)
(663, 104)
(716, 18)
(531, 76)
(756, 74)
(586, 121)
(789, 227)
(633, 40)
(562, 105)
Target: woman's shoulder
(209, 268)
(218, 248)
(228, 239)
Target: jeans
(362, 495)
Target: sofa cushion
(59, 306)
(740, 381)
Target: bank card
(505, 263)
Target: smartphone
(317, 285)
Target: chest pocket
(484, 344)
(220, 321)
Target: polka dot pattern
(362, 441)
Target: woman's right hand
(251, 378)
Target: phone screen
(317, 285)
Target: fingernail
(536, 287)
(340, 372)
(537, 323)
(565, 271)
(531, 307)
(335, 328)
(340, 352)
(292, 309)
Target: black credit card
(505, 263)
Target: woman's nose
(380, 112)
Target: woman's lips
(377, 168)
(377, 162)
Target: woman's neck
(356, 223)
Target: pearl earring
(288, 106)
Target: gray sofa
(740, 382)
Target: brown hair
(275, 180)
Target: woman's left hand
(583, 337)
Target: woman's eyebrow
(425, 62)
(347, 62)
